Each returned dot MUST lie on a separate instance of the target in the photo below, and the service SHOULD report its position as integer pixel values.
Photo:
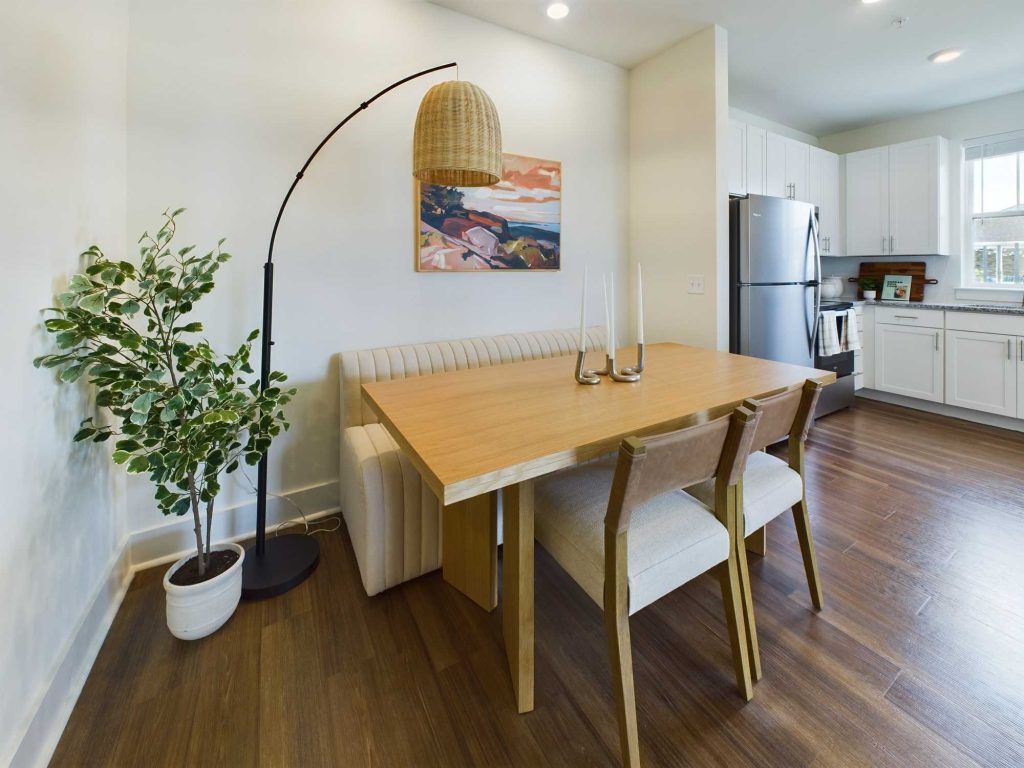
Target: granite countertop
(991, 309)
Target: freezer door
(776, 241)
(777, 322)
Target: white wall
(226, 100)
(982, 118)
(678, 213)
(770, 125)
(62, 76)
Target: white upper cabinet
(918, 197)
(797, 160)
(867, 202)
(823, 191)
(775, 184)
(737, 158)
(755, 158)
(786, 168)
(897, 199)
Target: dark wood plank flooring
(917, 659)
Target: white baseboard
(154, 546)
(173, 537)
(965, 414)
(53, 707)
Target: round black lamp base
(287, 561)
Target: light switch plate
(695, 283)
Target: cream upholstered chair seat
(770, 487)
(672, 538)
(393, 518)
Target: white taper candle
(583, 314)
(639, 305)
(607, 316)
(611, 303)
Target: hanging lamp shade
(457, 141)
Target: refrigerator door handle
(812, 338)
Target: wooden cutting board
(877, 270)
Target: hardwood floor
(916, 660)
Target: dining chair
(769, 487)
(627, 534)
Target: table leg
(469, 548)
(757, 542)
(517, 589)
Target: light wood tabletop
(473, 433)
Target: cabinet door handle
(906, 317)
(1009, 349)
(1021, 358)
(892, 246)
(883, 243)
(936, 341)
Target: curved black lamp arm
(268, 298)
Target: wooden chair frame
(650, 467)
(797, 435)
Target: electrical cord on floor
(328, 525)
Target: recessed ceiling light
(558, 10)
(869, 2)
(949, 54)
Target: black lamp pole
(273, 567)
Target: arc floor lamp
(456, 143)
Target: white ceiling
(820, 66)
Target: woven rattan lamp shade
(457, 142)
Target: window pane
(999, 249)
(999, 182)
(974, 184)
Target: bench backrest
(385, 363)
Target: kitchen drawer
(985, 322)
(920, 318)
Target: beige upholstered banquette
(393, 518)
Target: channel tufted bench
(393, 518)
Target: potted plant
(868, 288)
(182, 414)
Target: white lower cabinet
(909, 361)
(982, 371)
(1020, 378)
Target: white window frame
(967, 281)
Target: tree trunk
(201, 560)
(209, 526)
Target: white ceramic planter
(869, 295)
(198, 610)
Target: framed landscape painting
(515, 224)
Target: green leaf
(120, 457)
(72, 373)
(93, 302)
(144, 402)
(59, 324)
(83, 434)
(138, 464)
(80, 284)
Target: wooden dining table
(475, 433)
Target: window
(994, 179)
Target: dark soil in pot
(220, 560)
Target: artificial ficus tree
(183, 414)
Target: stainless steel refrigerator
(775, 274)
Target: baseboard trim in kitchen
(965, 414)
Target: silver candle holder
(610, 370)
(583, 376)
(639, 367)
